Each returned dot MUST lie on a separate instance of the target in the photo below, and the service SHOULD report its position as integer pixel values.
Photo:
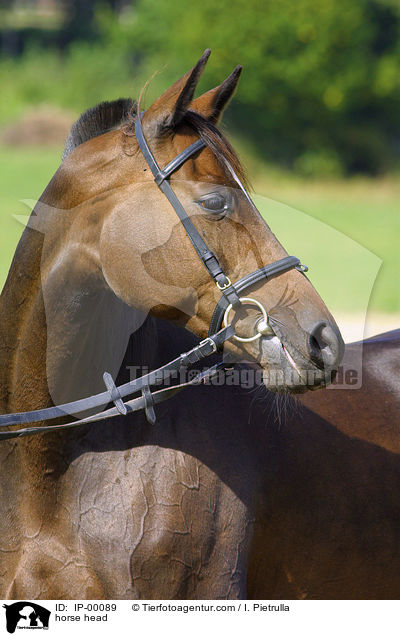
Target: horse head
(125, 235)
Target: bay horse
(123, 509)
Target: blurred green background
(316, 117)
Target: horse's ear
(168, 110)
(212, 103)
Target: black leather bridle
(230, 292)
(230, 298)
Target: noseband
(230, 299)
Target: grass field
(24, 173)
(345, 230)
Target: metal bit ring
(248, 301)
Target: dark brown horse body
(191, 507)
(330, 526)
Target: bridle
(230, 292)
(217, 335)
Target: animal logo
(26, 615)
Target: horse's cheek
(128, 235)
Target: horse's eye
(215, 203)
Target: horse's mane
(110, 115)
(98, 120)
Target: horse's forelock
(217, 143)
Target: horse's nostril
(325, 345)
(315, 351)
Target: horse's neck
(21, 382)
(21, 309)
(60, 328)
(59, 334)
(52, 353)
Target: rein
(116, 394)
(137, 404)
(216, 336)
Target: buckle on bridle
(224, 285)
(211, 342)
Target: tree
(321, 85)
